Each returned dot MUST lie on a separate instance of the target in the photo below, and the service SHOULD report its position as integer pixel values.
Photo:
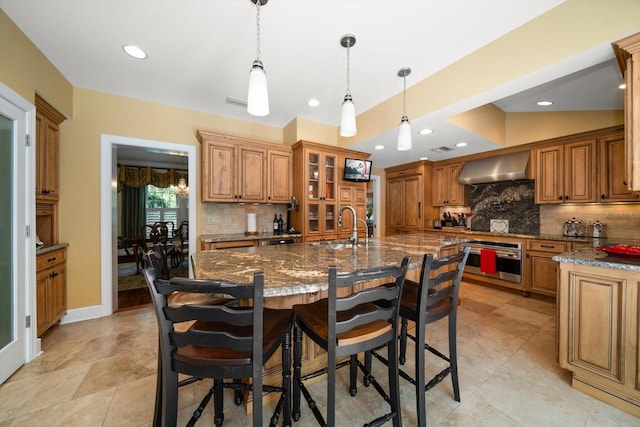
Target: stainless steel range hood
(506, 167)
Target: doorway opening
(114, 150)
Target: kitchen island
(598, 325)
(298, 274)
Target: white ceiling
(200, 53)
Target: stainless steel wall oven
(509, 262)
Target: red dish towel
(488, 261)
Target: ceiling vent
(236, 101)
(442, 149)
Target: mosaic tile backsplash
(512, 201)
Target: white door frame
(376, 205)
(23, 202)
(108, 207)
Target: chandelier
(181, 190)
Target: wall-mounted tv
(357, 170)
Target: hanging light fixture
(258, 97)
(181, 190)
(348, 116)
(404, 132)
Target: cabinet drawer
(405, 172)
(50, 259)
(235, 244)
(548, 246)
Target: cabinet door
(580, 172)
(543, 273)
(549, 177)
(395, 203)
(330, 176)
(456, 190)
(312, 171)
(613, 182)
(279, 180)
(439, 186)
(58, 292)
(42, 306)
(412, 192)
(47, 146)
(218, 172)
(251, 187)
(330, 217)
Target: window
(162, 205)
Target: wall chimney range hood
(506, 167)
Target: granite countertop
(302, 267)
(215, 238)
(596, 258)
(558, 237)
(46, 249)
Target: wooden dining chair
(346, 326)
(433, 298)
(225, 342)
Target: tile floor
(102, 373)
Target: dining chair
(433, 298)
(182, 233)
(348, 325)
(225, 342)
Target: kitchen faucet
(354, 235)
(366, 231)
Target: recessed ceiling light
(379, 147)
(424, 158)
(425, 131)
(313, 102)
(134, 51)
(461, 144)
(544, 103)
(622, 86)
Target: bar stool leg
(353, 375)
(403, 340)
(218, 397)
(421, 410)
(286, 378)
(453, 357)
(297, 362)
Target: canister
(598, 229)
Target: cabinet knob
(560, 198)
(602, 197)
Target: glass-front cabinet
(321, 174)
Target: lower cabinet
(598, 325)
(51, 289)
(542, 271)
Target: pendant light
(404, 132)
(181, 190)
(258, 97)
(348, 116)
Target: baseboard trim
(80, 314)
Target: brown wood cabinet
(354, 195)
(48, 121)
(566, 173)
(612, 178)
(445, 187)
(51, 289)
(243, 170)
(541, 270)
(409, 206)
(318, 171)
(598, 322)
(627, 52)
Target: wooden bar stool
(225, 342)
(346, 326)
(433, 298)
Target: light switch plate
(499, 225)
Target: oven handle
(499, 254)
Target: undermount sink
(334, 244)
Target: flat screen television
(357, 170)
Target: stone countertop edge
(46, 249)
(215, 238)
(557, 237)
(595, 258)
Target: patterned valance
(142, 176)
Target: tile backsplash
(623, 220)
(231, 218)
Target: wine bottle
(280, 225)
(275, 224)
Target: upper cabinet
(613, 181)
(628, 54)
(48, 120)
(566, 173)
(321, 191)
(445, 187)
(243, 170)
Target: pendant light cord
(404, 96)
(348, 68)
(258, 29)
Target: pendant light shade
(258, 96)
(404, 131)
(348, 114)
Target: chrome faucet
(354, 235)
(366, 231)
